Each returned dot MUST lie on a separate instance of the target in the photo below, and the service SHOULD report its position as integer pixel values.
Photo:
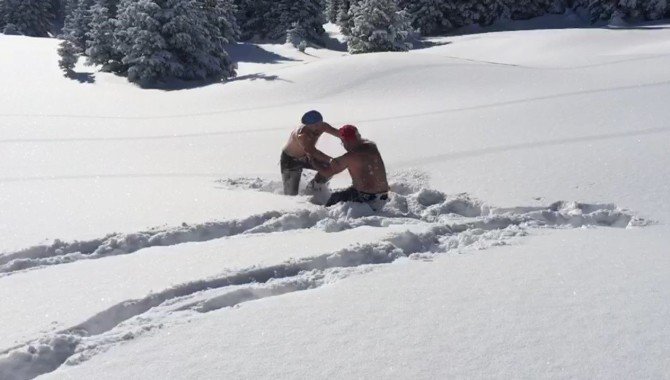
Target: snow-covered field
(143, 236)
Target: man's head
(312, 117)
(350, 137)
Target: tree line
(151, 40)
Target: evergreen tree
(488, 11)
(57, 8)
(428, 16)
(655, 9)
(461, 12)
(11, 30)
(68, 57)
(196, 44)
(307, 15)
(29, 17)
(70, 6)
(630, 8)
(222, 13)
(100, 48)
(77, 23)
(345, 16)
(139, 40)
(3, 13)
(526, 9)
(252, 18)
(111, 5)
(600, 10)
(378, 26)
(296, 36)
(271, 19)
(163, 39)
(332, 8)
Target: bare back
(367, 169)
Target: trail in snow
(129, 319)
(456, 222)
(412, 203)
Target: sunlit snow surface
(144, 236)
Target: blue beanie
(312, 117)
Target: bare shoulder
(367, 147)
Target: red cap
(349, 133)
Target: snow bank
(458, 222)
(411, 204)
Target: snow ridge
(456, 223)
(412, 203)
(95, 335)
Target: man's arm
(308, 143)
(337, 165)
(327, 128)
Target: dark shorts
(287, 162)
(376, 201)
(291, 172)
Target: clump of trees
(154, 40)
(434, 17)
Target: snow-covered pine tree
(196, 42)
(111, 5)
(598, 10)
(332, 7)
(138, 39)
(427, 16)
(68, 57)
(633, 9)
(184, 29)
(378, 26)
(77, 24)
(630, 8)
(3, 12)
(526, 9)
(11, 30)
(100, 48)
(296, 36)
(655, 9)
(57, 9)
(252, 18)
(345, 16)
(461, 12)
(486, 12)
(307, 15)
(222, 13)
(70, 6)
(164, 39)
(30, 17)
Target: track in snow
(411, 204)
(455, 222)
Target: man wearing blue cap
(300, 153)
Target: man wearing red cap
(300, 153)
(367, 170)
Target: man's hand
(337, 165)
(318, 164)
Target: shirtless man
(300, 153)
(367, 170)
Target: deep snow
(177, 258)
